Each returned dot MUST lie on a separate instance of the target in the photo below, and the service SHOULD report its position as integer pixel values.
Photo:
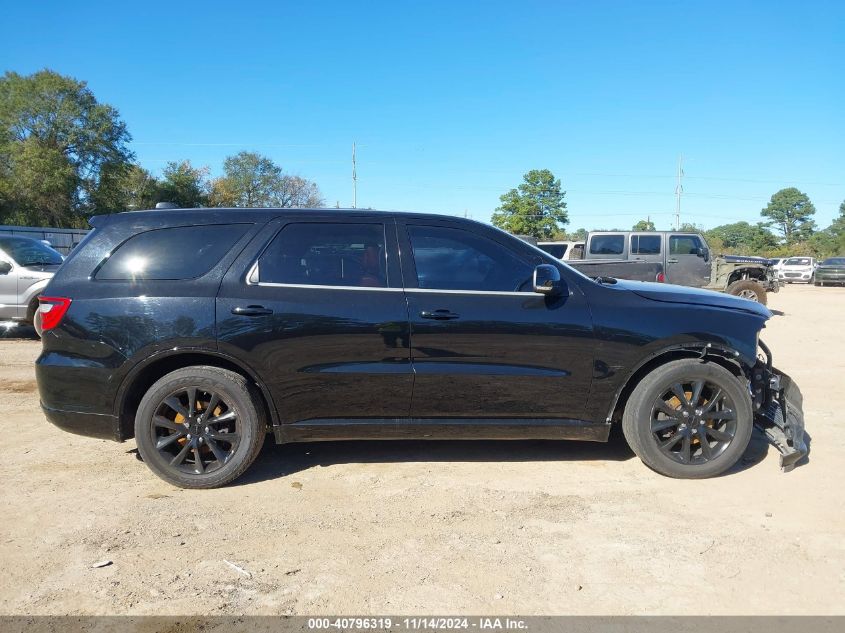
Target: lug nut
(206, 429)
(189, 436)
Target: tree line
(537, 208)
(64, 156)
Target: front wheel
(689, 419)
(748, 289)
(200, 427)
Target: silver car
(26, 265)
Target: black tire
(748, 289)
(224, 444)
(818, 283)
(688, 428)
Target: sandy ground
(439, 527)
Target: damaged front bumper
(778, 411)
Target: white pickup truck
(26, 265)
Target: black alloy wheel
(689, 418)
(200, 427)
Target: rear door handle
(439, 315)
(251, 311)
(671, 261)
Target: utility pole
(679, 189)
(354, 180)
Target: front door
(320, 315)
(687, 262)
(483, 344)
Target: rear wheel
(689, 419)
(748, 289)
(200, 427)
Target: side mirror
(704, 253)
(5, 268)
(547, 280)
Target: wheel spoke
(697, 388)
(229, 416)
(218, 452)
(678, 390)
(167, 440)
(663, 406)
(212, 405)
(231, 438)
(161, 421)
(718, 435)
(198, 460)
(180, 457)
(705, 444)
(670, 443)
(173, 403)
(192, 400)
(713, 400)
(662, 425)
(686, 449)
(724, 414)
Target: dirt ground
(432, 528)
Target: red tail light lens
(51, 310)
(661, 278)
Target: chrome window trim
(504, 293)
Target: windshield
(834, 261)
(797, 261)
(29, 252)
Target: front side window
(181, 252)
(454, 259)
(684, 244)
(323, 254)
(645, 244)
(607, 245)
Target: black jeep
(199, 331)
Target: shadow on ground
(278, 461)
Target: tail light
(51, 310)
(661, 278)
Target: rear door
(687, 263)
(646, 247)
(315, 306)
(483, 344)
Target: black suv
(198, 331)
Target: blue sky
(451, 102)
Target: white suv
(797, 269)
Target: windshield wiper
(41, 264)
(606, 280)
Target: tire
(172, 435)
(646, 431)
(748, 289)
(33, 316)
(818, 283)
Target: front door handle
(671, 261)
(251, 311)
(439, 315)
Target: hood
(747, 259)
(693, 296)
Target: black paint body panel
(341, 362)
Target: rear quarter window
(182, 252)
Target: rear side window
(645, 244)
(607, 245)
(182, 252)
(323, 254)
